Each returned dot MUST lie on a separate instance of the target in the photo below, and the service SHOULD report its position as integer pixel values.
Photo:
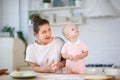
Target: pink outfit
(74, 49)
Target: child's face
(72, 32)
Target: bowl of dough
(23, 74)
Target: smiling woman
(44, 54)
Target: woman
(44, 54)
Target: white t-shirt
(39, 53)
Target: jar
(71, 2)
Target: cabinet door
(6, 53)
(12, 53)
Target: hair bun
(36, 18)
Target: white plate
(23, 75)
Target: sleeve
(64, 50)
(30, 56)
(60, 43)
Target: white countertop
(51, 76)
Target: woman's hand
(48, 67)
(57, 66)
(52, 67)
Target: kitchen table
(52, 76)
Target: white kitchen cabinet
(58, 16)
(12, 53)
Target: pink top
(74, 49)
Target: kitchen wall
(0, 14)
(102, 40)
(101, 35)
(24, 17)
(10, 13)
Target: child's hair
(66, 26)
(37, 22)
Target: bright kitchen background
(100, 34)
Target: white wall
(24, 17)
(102, 38)
(0, 14)
(15, 14)
(10, 13)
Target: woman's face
(44, 35)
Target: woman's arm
(37, 68)
(66, 56)
(62, 63)
(59, 65)
(46, 68)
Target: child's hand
(76, 57)
(71, 57)
(81, 56)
